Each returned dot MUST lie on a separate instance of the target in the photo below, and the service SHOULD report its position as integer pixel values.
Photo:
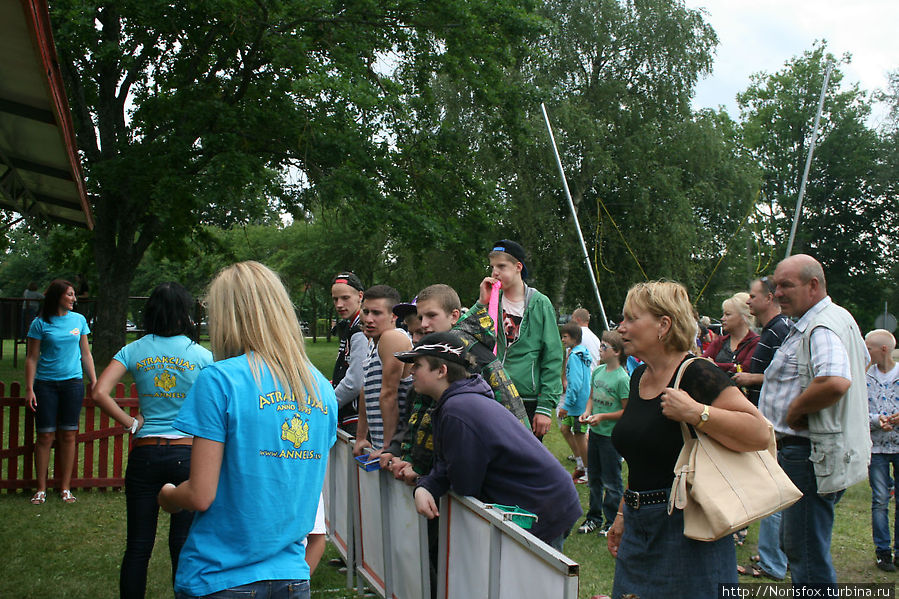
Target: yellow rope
(759, 269)
(597, 249)
(727, 249)
(620, 234)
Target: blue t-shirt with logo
(60, 346)
(273, 467)
(164, 369)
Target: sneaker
(604, 531)
(578, 472)
(587, 527)
(581, 480)
(885, 563)
(571, 458)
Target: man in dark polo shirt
(775, 326)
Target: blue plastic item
(367, 463)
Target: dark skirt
(656, 560)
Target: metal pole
(577, 224)
(808, 160)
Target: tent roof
(40, 174)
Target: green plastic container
(515, 514)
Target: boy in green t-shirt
(609, 390)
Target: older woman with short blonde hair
(733, 351)
(655, 559)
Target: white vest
(840, 437)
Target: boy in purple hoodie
(481, 449)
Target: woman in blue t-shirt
(57, 353)
(164, 363)
(263, 420)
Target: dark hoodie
(483, 451)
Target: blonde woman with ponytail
(263, 420)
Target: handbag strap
(680, 373)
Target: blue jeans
(263, 589)
(772, 558)
(655, 559)
(603, 478)
(149, 468)
(58, 404)
(879, 476)
(808, 523)
(559, 542)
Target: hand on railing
(425, 504)
(359, 447)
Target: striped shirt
(883, 399)
(782, 384)
(773, 334)
(374, 374)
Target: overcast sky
(761, 35)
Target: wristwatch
(703, 418)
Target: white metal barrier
(372, 521)
(481, 555)
(339, 495)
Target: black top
(649, 441)
(773, 334)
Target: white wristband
(134, 426)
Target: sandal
(68, 497)
(756, 572)
(755, 558)
(39, 498)
(740, 536)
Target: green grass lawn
(59, 550)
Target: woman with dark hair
(264, 420)
(164, 363)
(57, 353)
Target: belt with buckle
(637, 499)
(788, 440)
(162, 441)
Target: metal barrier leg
(357, 526)
(496, 549)
(443, 546)
(352, 531)
(424, 557)
(386, 537)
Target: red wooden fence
(100, 443)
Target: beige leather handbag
(721, 490)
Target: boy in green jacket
(528, 343)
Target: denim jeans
(58, 404)
(150, 467)
(879, 476)
(808, 523)
(263, 589)
(655, 559)
(603, 478)
(559, 542)
(772, 558)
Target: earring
(660, 336)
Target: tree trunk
(117, 255)
(111, 312)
